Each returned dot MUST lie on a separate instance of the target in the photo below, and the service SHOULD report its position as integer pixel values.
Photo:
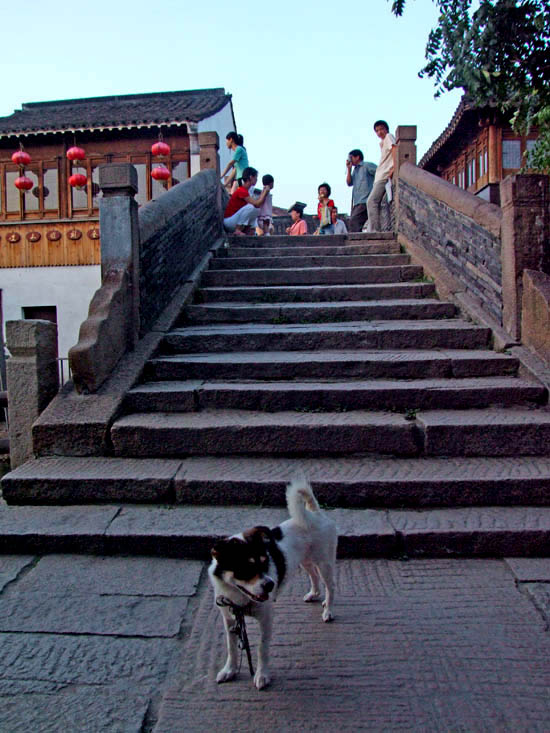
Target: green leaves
(500, 55)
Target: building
(49, 235)
(477, 149)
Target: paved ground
(92, 643)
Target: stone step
(332, 364)
(376, 248)
(243, 263)
(346, 482)
(316, 293)
(496, 432)
(377, 394)
(283, 240)
(191, 531)
(422, 308)
(226, 432)
(391, 335)
(312, 276)
(310, 240)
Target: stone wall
(454, 228)
(176, 231)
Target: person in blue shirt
(238, 162)
(360, 174)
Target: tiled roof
(464, 106)
(132, 110)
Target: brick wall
(176, 231)
(469, 251)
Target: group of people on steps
(250, 212)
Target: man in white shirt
(384, 172)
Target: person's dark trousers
(358, 217)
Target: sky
(308, 79)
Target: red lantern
(78, 180)
(23, 183)
(21, 158)
(76, 153)
(160, 149)
(160, 173)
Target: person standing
(384, 173)
(238, 162)
(360, 174)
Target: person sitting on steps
(241, 212)
(298, 227)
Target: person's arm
(257, 202)
(303, 227)
(227, 167)
(348, 173)
(393, 157)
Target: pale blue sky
(308, 79)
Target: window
(12, 194)
(180, 172)
(79, 196)
(51, 189)
(31, 199)
(511, 153)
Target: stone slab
(111, 576)
(92, 613)
(422, 308)
(311, 260)
(312, 275)
(71, 659)
(425, 645)
(192, 530)
(340, 364)
(76, 709)
(367, 481)
(26, 528)
(11, 566)
(531, 569)
(316, 293)
(68, 479)
(486, 432)
(241, 431)
(474, 531)
(350, 249)
(390, 335)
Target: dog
(248, 569)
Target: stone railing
(478, 252)
(146, 256)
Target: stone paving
(95, 643)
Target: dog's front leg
(229, 670)
(262, 678)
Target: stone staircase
(331, 355)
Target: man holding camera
(362, 179)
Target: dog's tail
(300, 499)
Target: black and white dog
(248, 569)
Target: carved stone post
(33, 380)
(405, 136)
(112, 326)
(525, 238)
(209, 145)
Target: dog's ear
(261, 533)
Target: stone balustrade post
(119, 229)
(525, 240)
(33, 380)
(405, 136)
(209, 144)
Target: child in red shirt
(324, 201)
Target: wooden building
(477, 149)
(49, 235)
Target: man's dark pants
(358, 217)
